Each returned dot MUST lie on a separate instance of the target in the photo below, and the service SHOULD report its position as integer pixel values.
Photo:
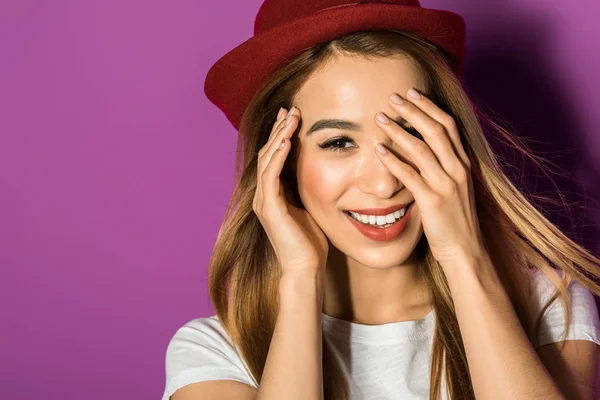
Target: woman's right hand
(299, 243)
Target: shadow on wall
(509, 71)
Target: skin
(366, 281)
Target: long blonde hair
(244, 271)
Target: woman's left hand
(443, 189)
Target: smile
(380, 221)
(381, 227)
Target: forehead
(352, 86)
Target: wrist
(304, 284)
(308, 273)
(470, 269)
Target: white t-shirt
(389, 361)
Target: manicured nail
(282, 143)
(280, 113)
(382, 118)
(396, 99)
(414, 94)
(288, 119)
(380, 148)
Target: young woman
(373, 248)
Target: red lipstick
(380, 211)
(382, 234)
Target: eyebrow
(342, 124)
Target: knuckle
(411, 172)
(435, 201)
(450, 122)
(439, 130)
(449, 187)
(269, 168)
(262, 151)
(462, 174)
(264, 175)
(421, 147)
(467, 164)
(267, 174)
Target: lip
(383, 234)
(381, 211)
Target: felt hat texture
(284, 28)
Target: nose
(376, 179)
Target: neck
(374, 296)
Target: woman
(343, 272)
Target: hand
(443, 189)
(300, 245)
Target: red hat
(284, 28)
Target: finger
(446, 120)
(268, 148)
(425, 117)
(405, 173)
(287, 131)
(418, 151)
(264, 151)
(276, 126)
(271, 177)
(279, 124)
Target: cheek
(320, 184)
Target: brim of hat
(234, 79)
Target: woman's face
(348, 175)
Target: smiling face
(345, 174)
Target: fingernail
(380, 148)
(288, 119)
(396, 99)
(414, 94)
(280, 113)
(382, 118)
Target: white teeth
(380, 220)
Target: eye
(334, 143)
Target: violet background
(115, 170)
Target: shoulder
(585, 324)
(205, 331)
(201, 350)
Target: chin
(382, 259)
